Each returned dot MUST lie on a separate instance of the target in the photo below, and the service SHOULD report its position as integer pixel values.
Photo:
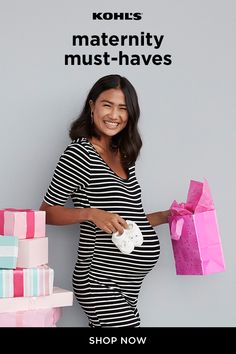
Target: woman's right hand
(107, 221)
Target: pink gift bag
(195, 233)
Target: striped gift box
(8, 251)
(26, 282)
(23, 223)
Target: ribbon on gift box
(30, 220)
(18, 281)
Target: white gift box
(59, 298)
(32, 252)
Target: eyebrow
(124, 105)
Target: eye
(106, 105)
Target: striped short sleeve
(71, 173)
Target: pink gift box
(26, 281)
(23, 223)
(195, 234)
(32, 252)
(58, 298)
(31, 318)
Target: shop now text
(116, 340)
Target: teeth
(111, 124)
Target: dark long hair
(128, 141)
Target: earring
(91, 117)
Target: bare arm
(59, 215)
(158, 218)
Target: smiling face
(109, 112)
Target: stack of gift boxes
(28, 297)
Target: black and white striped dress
(106, 282)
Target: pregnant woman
(97, 170)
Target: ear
(91, 104)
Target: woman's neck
(103, 142)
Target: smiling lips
(111, 125)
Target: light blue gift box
(8, 252)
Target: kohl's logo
(107, 16)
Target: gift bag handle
(176, 228)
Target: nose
(114, 113)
